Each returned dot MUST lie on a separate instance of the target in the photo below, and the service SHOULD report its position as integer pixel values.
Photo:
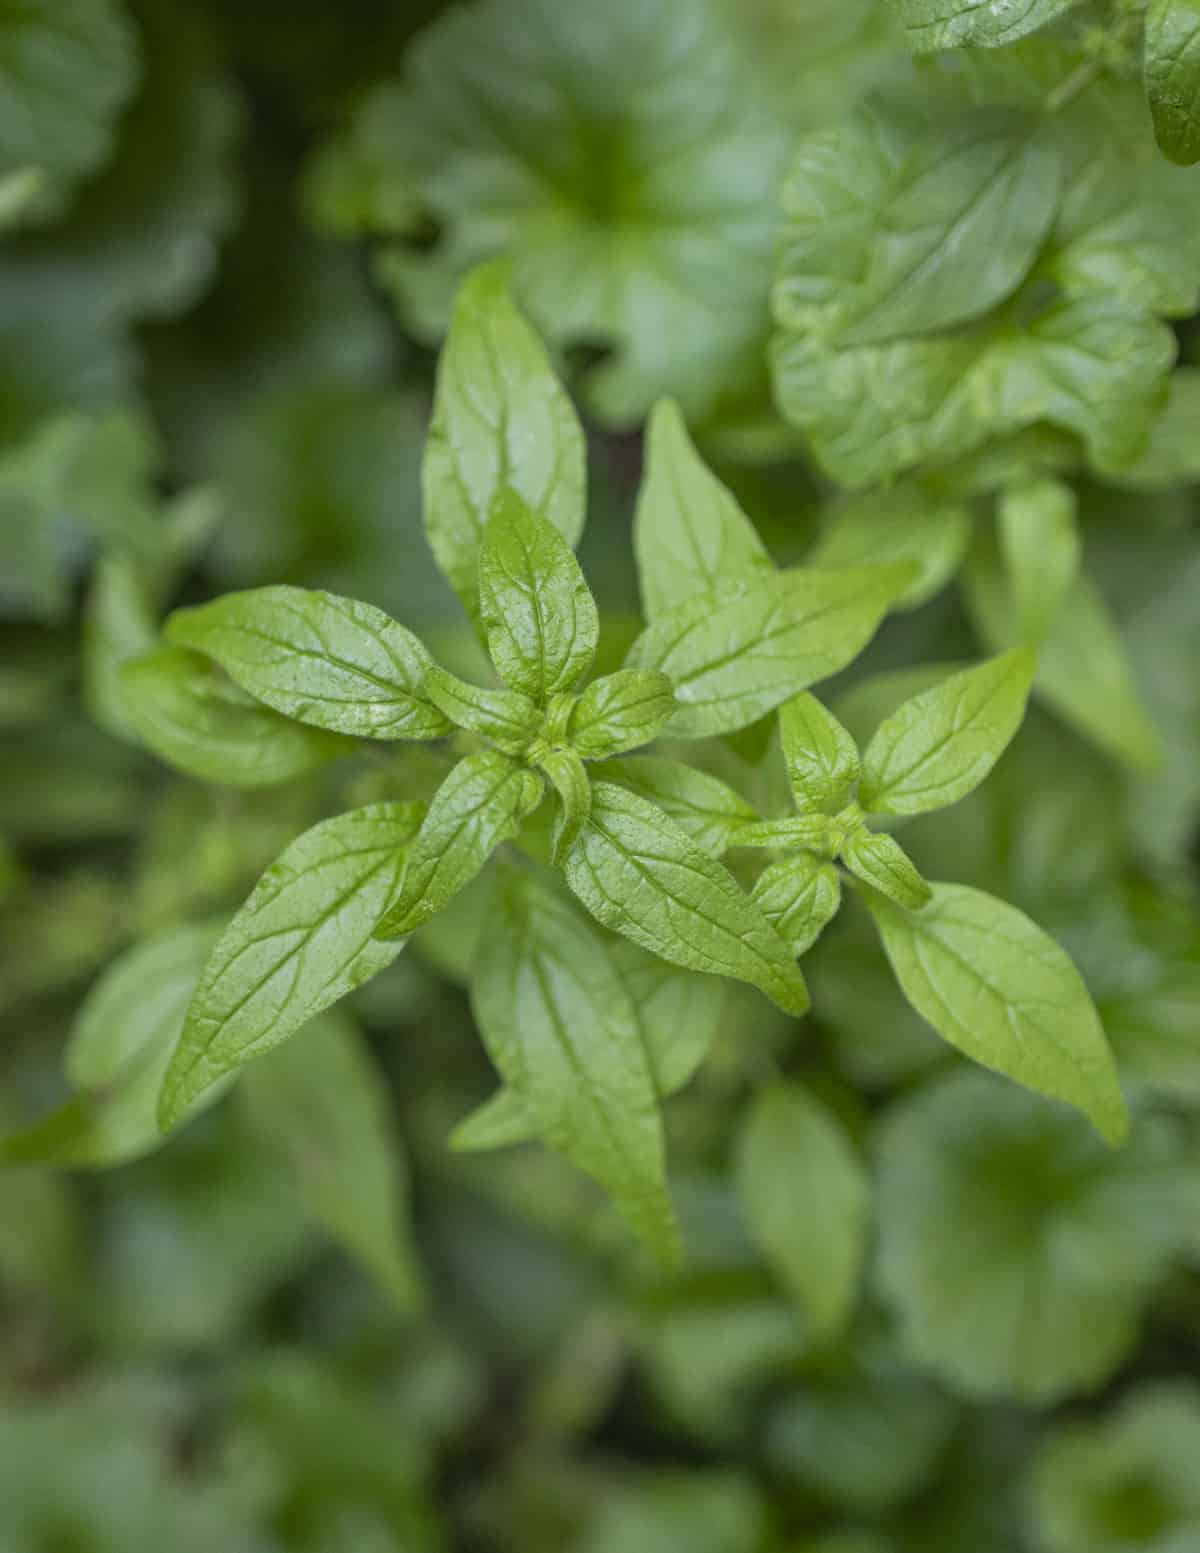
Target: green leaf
(500, 1122)
(799, 896)
(736, 653)
(507, 717)
(539, 616)
(564, 1035)
(880, 861)
(805, 1194)
(689, 533)
(1016, 1250)
(821, 758)
(937, 747)
(902, 522)
(811, 831)
(1122, 1480)
(621, 711)
(1172, 68)
(1083, 668)
(1092, 365)
(329, 661)
(120, 1045)
(303, 939)
(704, 808)
(994, 985)
(66, 71)
(1039, 537)
(566, 772)
(320, 1104)
(119, 625)
(640, 875)
(500, 419)
(1172, 455)
(898, 225)
(480, 804)
(952, 24)
(185, 710)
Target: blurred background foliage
(228, 237)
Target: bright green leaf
(1172, 66)
(1039, 537)
(821, 758)
(705, 808)
(507, 717)
(882, 862)
(621, 711)
(952, 24)
(799, 896)
(570, 781)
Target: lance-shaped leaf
(570, 781)
(993, 984)
(480, 804)
(953, 24)
(937, 747)
(122, 1040)
(507, 717)
(640, 875)
(820, 755)
(322, 659)
(186, 710)
(805, 1194)
(880, 861)
(538, 613)
(500, 418)
(321, 1106)
(689, 533)
(621, 711)
(303, 939)
(799, 896)
(736, 653)
(564, 1035)
(1172, 70)
(1039, 537)
(705, 808)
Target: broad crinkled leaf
(1015, 1249)
(901, 522)
(689, 533)
(621, 711)
(899, 226)
(951, 24)
(185, 709)
(480, 804)
(537, 611)
(737, 652)
(500, 418)
(640, 875)
(805, 1194)
(997, 987)
(935, 748)
(1173, 77)
(330, 661)
(320, 1104)
(630, 182)
(303, 939)
(821, 758)
(564, 1034)
(705, 808)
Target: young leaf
(1172, 70)
(821, 758)
(898, 523)
(539, 616)
(302, 940)
(511, 720)
(812, 832)
(938, 747)
(570, 781)
(480, 804)
(953, 24)
(322, 659)
(1039, 537)
(563, 1033)
(689, 534)
(704, 808)
(736, 653)
(121, 1042)
(799, 896)
(195, 719)
(882, 862)
(621, 711)
(321, 1106)
(500, 418)
(805, 1194)
(993, 984)
(640, 875)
